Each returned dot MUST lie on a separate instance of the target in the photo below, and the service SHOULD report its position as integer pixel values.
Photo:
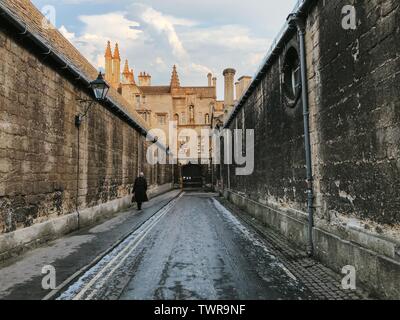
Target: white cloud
(159, 65)
(92, 39)
(198, 36)
(112, 25)
(160, 61)
(164, 25)
(160, 29)
(228, 36)
(69, 35)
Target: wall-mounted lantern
(100, 89)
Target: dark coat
(140, 189)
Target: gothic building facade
(190, 107)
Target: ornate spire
(108, 53)
(126, 67)
(116, 53)
(175, 78)
(128, 73)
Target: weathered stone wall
(357, 110)
(279, 149)
(39, 144)
(353, 79)
(355, 119)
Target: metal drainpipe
(78, 178)
(296, 20)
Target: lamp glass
(100, 88)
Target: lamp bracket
(87, 104)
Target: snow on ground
(250, 235)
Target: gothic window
(176, 118)
(207, 118)
(145, 115)
(191, 114)
(202, 145)
(162, 119)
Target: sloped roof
(156, 90)
(26, 13)
(301, 8)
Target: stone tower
(209, 77)
(229, 99)
(108, 63)
(116, 65)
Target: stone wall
(357, 110)
(279, 148)
(354, 94)
(39, 144)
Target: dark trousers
(139, 205)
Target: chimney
(237, 89)
(144, 79)
(214, 82)
(209, 76)
(229, 75)
(243, 84)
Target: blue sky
(198, 36)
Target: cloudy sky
(199, 36)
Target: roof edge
(63, 63)
(300, 8)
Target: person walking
(140, 191)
